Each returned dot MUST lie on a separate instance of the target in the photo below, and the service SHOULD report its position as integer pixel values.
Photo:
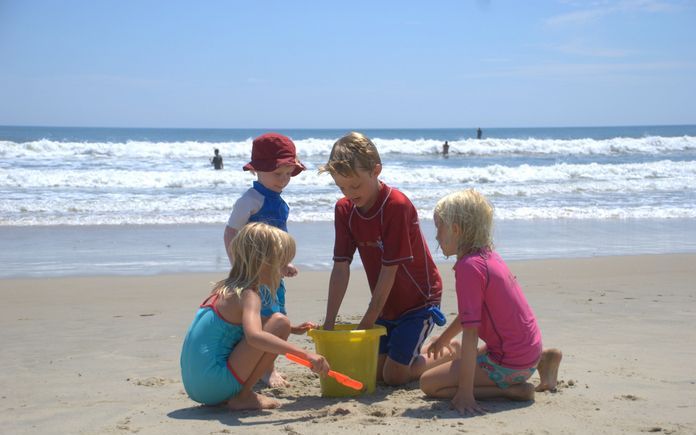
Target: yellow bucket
(351, 352)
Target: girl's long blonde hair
(473, 214)
(256, 248)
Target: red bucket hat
(272, 150)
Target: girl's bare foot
(250, 400)
(548, 369)
(520, 392)
(274, 379)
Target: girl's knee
(279, 325)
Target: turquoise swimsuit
(205, 370)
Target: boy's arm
(385, 282)
(338, 283)
(245, 206)
(229, 235)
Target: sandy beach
(94, 355)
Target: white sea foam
(46, 182)
(144, 212)
(155, 151)
(571, 177)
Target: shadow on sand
(298, 408)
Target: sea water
(557, 192)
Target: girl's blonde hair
(473, 214)
(352, 152)
(257, 246)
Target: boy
(382, 224)
(274, 161)
(216, 160)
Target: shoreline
(143, 250)
(100, 355)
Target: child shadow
(441, 408)
(237, 418)
(380, 393)
(308, 407)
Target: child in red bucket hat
(274, 162)
(271, 151)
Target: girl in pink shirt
(491, 307)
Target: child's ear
(456, 229)
(377, 170)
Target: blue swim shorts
(406, 335)
(503, 376)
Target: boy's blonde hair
(352, 152)
(255, 246)
(473, 214)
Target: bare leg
(548, 369)
(394, 373)
(250, 363)
(248, 399)
(274, 379)
(442, 382)
(517, 392)
(422, 363)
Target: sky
(330, 64)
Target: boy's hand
(466, 404)
(319, 364)
(436, 348)
(365, 325)
(290, 271)
(302, 328)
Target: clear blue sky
(367, 64)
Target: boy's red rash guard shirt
(389, 234)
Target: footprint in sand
(378, 413)
(562, 384)
(290, 430)
(341, 411)
(151, 382)
(125, 425)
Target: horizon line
(342, 128)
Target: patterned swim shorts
(503, 376)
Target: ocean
(152, 198)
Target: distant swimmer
(445, 148)
(216, 160)
(479, 133)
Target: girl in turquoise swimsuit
(227, 347)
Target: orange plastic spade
(340, 377)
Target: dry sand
(95, 355)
